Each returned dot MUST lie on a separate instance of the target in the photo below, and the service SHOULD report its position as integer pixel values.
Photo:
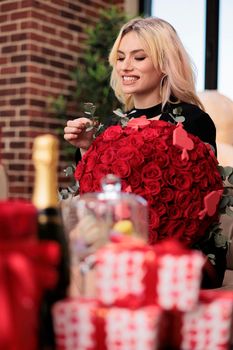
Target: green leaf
(222, 172)
(180, 119)
(230, 179)
(224, 202)
(177, 110)
(228, 170)
(229, 211)
(220, 240)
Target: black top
(198, 123)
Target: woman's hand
(76, 134)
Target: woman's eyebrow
(133, 51)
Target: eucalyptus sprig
(96, 124)
(226, 203)
(71, 190)
(176, 115)
(123, 118)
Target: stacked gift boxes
(146, 298)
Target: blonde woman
(152, 75)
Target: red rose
(173, 228)
(160, 144)
(121, 143)
(183, 199)
(151, 172)
(152, 187)
(79, 171)
(86, 183)
(149, 134)
(174, 212)
(136, 140)
(130, 154)
(128, 131)
(176, 160)
(153, 219)
(166, 194)
(121, 168)
(193, 210)
(183, 181)
(112, 133)
(126, 153)
(91, 161)
(100, 171)
(135, 179)
(137, 160)
(200, 150)
(147, 149)
(161, 159)
(160, 208)
(108, 156)
(199, 170)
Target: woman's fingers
(69, 137)
(80, 122)
(69, 130)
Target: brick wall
(40, 41)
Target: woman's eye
(120, 58)
(140, 58)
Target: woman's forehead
(131, 42)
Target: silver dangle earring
(162, 84)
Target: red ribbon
(26, 269)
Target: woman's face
(136, 71)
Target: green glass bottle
(45, 198)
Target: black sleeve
(196, 122)
(203, 127)
(78, 156)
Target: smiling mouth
(129, 79)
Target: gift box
(131, 274)
(208, 326)
(179, 274)
(126, 274)
(83, 324)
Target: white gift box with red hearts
(159, 288)
(141, 275)
(208, 326)
(81, 324)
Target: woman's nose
(127, 64)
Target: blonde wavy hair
(163, 45)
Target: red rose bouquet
(173, 170)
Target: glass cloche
(107, 214)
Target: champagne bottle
(45, 198)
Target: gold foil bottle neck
(45, 158)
